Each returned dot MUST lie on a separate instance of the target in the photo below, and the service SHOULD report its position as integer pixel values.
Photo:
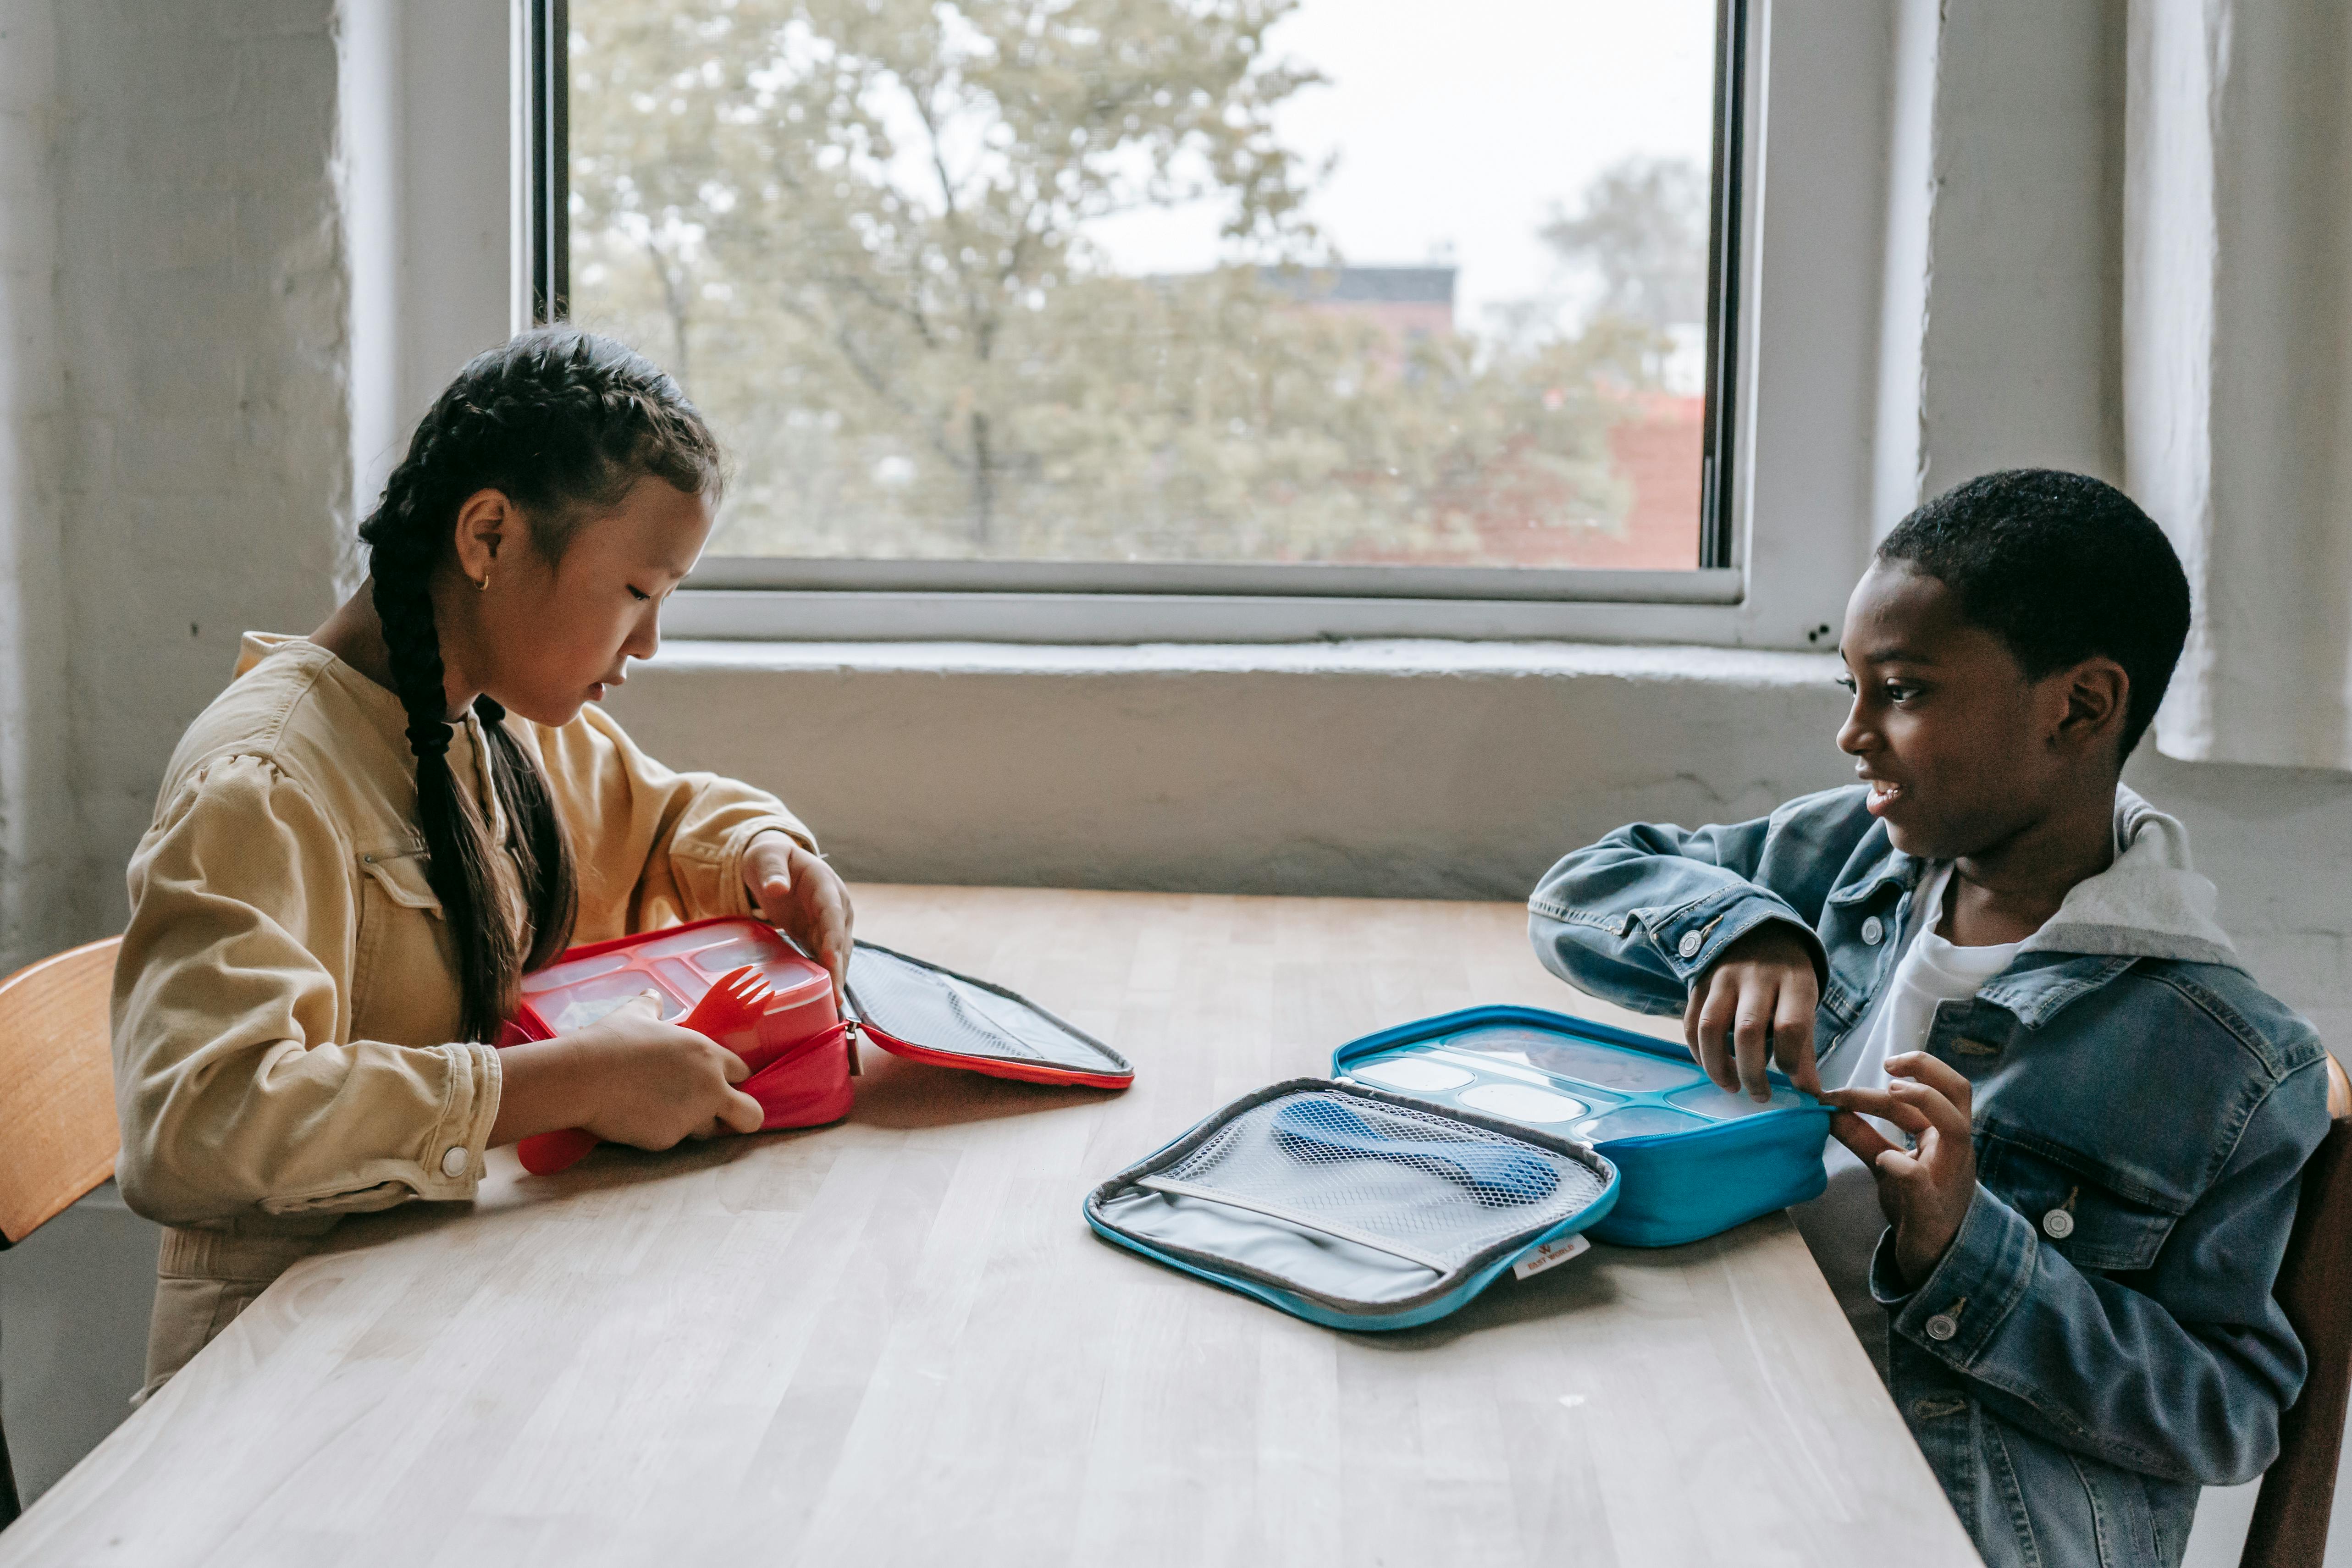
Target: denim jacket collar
(1894, 869)
(2149, 903)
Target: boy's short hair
(2061, 568)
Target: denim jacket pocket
(2088, 1222)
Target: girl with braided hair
(369, 837)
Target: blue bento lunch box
(1693, 1160)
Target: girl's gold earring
(482, 583)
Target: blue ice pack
(1692, 1159)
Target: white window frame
(1812, 235)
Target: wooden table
(897, 1342)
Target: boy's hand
(802, 897)
(1925, 1194)
(1761, 990)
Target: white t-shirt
(1841, 1227)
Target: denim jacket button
(1690, 945)
(1942, 1327)
(2058, 1224)
(1872, 930)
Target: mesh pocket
(941, 1011)
(1413, 1185)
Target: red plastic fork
(732, 1004)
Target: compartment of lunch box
(572, 971)
(1706, 1100)
(715, 959)
(1641, 1122)
(1351, 1205)
(1595, 1062)
(1414, 1074)
(1526, 1102)
(705, 939)
(575, 1004)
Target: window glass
(1364, 282)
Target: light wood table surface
(896, 1341)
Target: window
(1264, 297)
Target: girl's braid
(560, 422)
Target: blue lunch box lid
(1693, 1160)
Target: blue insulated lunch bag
(1693, 1160)
(1354, 1206)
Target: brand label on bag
(1548, 1254)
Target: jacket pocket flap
(2088, 1221)
(400, 872)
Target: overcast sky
(1459, 124)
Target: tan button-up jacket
(286, 1000)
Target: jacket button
(1942, 1327)
(2058, 1224)
(454, 1162)
(1690, 945)
(1872, 930)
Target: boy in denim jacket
(2004, 955)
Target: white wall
(201, 316)
(175, 466)
(2021, 304)
(39, 852)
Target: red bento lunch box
(800, 1054)
(803, 1053)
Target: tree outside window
(864, 234)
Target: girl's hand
(1925, 1194)
(802, 897)
(651, 1084)
(629, 1079)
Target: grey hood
(2149, 904)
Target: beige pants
(204, 1279)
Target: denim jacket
(2100, 1340)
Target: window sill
(852, 616)
(1390, 657)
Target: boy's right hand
(650, 1084)
(1760, 994)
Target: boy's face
(1961, 751)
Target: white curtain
(2237, 362)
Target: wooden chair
(2314, 1285)
(56, 1101)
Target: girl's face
(547, 636)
